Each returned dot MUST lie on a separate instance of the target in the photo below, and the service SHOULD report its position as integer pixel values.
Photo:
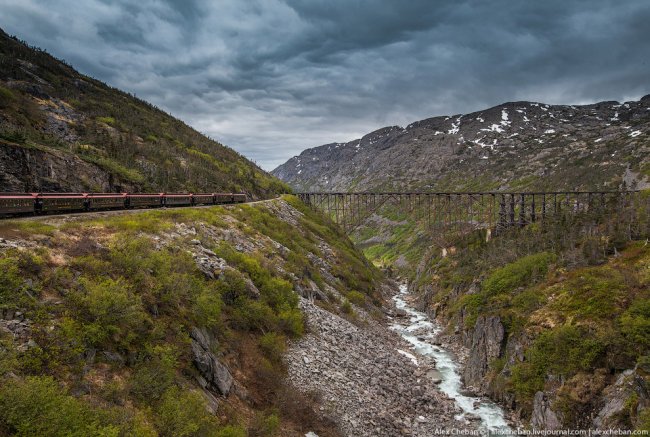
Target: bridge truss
(462, 212)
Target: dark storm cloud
(272, 77)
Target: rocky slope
(257, 320)
(63, 131)
(518, 146)
(371, 388)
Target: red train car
(142, 200)
(97, 201)
(203, 199)
(177, 199)
(49, 202)
(17, 203)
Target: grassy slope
(127, 284)
(132, 140)
(577, 300)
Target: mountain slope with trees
(63, 131)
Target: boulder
(251, 289)
(213, 374)
(210, 264)
(543, 416)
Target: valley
(483, 273)
(545, 309)
(347, 373)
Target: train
(14, 204)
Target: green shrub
(273, 345)
(472, 303)
(155, 375)
(356, 298)
(38, 406)
(8, 356)
(7, 97)
(346, 307)
(107, 120)
(231, 431)
(6, 93)
(142, 221)
(167, 279)
(594, 292)
(278, 294)
(207, 307)
(32, 226)
(12, 284)
(291, 322)
(267, 426)
(183, 413)
(253, 315)
(109, 311)
(562, 351)
(519, 273)
(644, 420)
(528, 301)
(233, 286)
(277, 308)
(114, 167)
(635, 326)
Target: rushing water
(420, 332)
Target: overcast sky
(273, 77)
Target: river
(420, 331)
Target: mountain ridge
(552, 139)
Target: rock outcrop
(33, 170)
(485, 345)
(543, 415)
(214, 376)
(631, 391)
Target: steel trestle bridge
(460, 212)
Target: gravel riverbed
(368, 379)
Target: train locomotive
(51, 203)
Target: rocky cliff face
(515, 145)
(485, 345)
(24, 169)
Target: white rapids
(419, 332)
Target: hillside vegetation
(556, 317)
(516, 146)
(63, 131)
(167, 322)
